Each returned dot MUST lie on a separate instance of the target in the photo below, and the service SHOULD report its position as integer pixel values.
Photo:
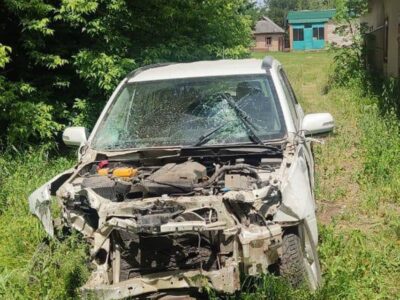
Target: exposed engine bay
(186, 222)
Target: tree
(315, 4)
(350, 60)
(69, 55)
(277, 10)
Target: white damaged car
(194, 174)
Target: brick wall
(261, 45)
(334, 38)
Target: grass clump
(358, 183)
(31, 265)
(381, 148)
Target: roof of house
(310, 16)
(201, 69)
(266, 25)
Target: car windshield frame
(266, 76)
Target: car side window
(290, 96)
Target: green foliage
(256, 10)
(349, 61)
(277, 10)
(359, 249)
(4, 55)
(73, 49)
(271, 287)
(24, 115)
(349, 65)
(316, 4)
(348, 10)
(389, 90)
(84, 113)
(380, 174)
(357, 186)
(32, 267)
(102, 70)
(358, 264)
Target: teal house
(311, 29)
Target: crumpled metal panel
(226, 280)
(40, 201)
(297, 199)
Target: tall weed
(381, 147)
(31, 266)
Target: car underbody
(178, 222)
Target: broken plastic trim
(40, 200)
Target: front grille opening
(145, 253)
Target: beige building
(268, 36)
(383, 41)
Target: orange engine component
(124, 172)
(103, 172)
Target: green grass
(31, 267)
(358, 189)
(358, 186)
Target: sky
(260, 2)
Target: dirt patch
(327, 211)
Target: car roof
(199, 69)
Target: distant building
(383, 41)
(313, 29)
(268, 36)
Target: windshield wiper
(249, 126)
(205, 138)
(243, 117)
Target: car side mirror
(75, 136)
(314, 124)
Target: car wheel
(299, 261)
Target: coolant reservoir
(124, 172)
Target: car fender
(297, 198)
(40, 200)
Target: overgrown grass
(358, 180)
(31, 266)
(358, 186)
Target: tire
(299, 262)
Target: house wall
(379, 11)
(334, 38)
(309, 42)
(329, 37)
(291, 37)
(392, 9)
(376, 14)
(261, 44)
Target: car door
(298, 115)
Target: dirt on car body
(203, 183)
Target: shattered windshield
(192, 112)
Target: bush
(31, 266)
(349, 61)
(68, 56)
(24, 116)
